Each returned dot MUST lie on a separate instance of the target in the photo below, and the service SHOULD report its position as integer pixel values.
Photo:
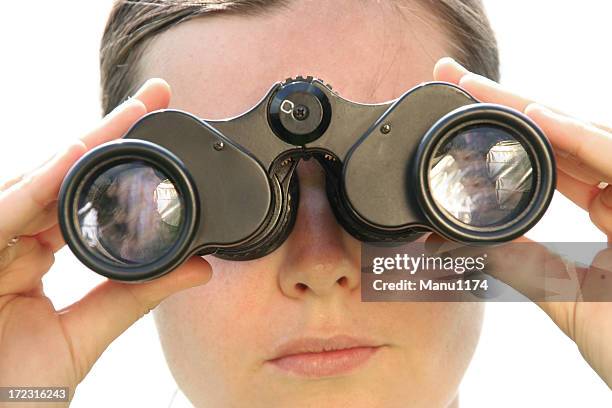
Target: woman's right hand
(41, 346)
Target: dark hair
(132, 23)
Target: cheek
(439, 341)
(432, 346)
(449, 333)
(211, 329)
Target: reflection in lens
(130, 213)
(481, 176)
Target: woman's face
(223, 340)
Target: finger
(8, 255)
(582, 194)
(32, 195)
(40, 188)
(600, 210)
(489, 91)
(582, 141)
(483, 89)
(605, 128)
(23, 265)
(108, 310)
(52, 238)
(433, 242)
(153, 95)
(8, 184)
(486, 90)
(46, 218)
(576, 169)
(537, 263)
(448, 70)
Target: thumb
(92, 323)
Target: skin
(319, 254)
(428, 346)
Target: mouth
(314, 357)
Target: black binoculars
(434, 159)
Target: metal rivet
(385, 129)
(219, 146)
(329, 157)
(301, 112)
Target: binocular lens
(482, 176)
(130, 213)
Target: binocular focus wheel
(299, 113)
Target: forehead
(370, 51)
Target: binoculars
(433, 160)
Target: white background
(555, 51)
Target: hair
(133, 23)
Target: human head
(133, 24)
(220, 57)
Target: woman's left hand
(583, 152)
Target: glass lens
(482, 176)
(130, 213)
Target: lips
(323, 357)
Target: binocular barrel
(175, 185)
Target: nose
(320, 258)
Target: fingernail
(131, 99)
(456, 65)
(143, 87)
(540, 108)
(479, 80)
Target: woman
(231, 329)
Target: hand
(583, 152)
(41, 346)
